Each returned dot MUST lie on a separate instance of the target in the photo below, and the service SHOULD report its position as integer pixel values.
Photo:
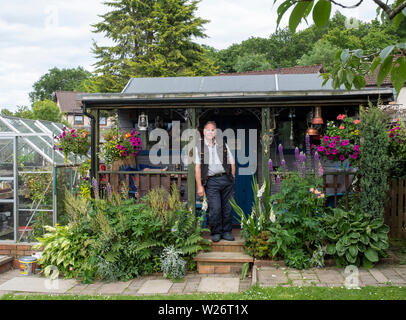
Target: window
(78, 119)
(103, 121)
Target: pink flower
(354, 156)
(328, 152)
(335, 151)
(337, 138)
(356, 147)
(332, 145)
(320, 148)
(341, 117)
(74, 135)
(342, 158)
(344, 143)
(341, 127)
(125, 153)
(356, 121)
(326, 138)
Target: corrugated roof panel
(253, 83)
(302, 82)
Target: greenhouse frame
(31, 181)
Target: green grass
(254, 293)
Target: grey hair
(210, 122)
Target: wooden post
(266, 141)
(97, 143)
(191, 182)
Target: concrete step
(221, 262)
(6, 263)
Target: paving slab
(114, 287)
(330, 276)
(271, 276)
(218, 284)
(41, 285)
(378, 275)
(392, 275)
(155, 286)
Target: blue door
(243, 183)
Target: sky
(37, 35)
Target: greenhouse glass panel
(33, 179)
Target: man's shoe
(228, 236)
(215, 237)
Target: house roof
(290, 70)
(68, 101)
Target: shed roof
(318, 68)
(222, 90)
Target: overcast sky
(37, 35)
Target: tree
(323, 52)
(6, 112)
(151, 38)
(352, 66)
(46, 110)
(252, 62)
(59, 79)
(24, 112)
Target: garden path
(382, 275)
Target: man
(215, 178)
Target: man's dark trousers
(219, 191)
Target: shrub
(172, 264)
(355, 238)
(375, 164)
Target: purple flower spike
(109, 191)
(280, 148)
(95, 186)
(270, 166)
(307, 140)
(320, 170)
(283, 164)
(316, 157)
(297, 154)
(278, 184)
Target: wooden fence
(395, 210)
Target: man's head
(209, 130)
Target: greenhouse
(33, 174)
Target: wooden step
(227, 246)
(6, 263)
(221, 262)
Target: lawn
(254, 293)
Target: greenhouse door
(8, 191)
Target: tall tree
(151, 38)
(59, 79)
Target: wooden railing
(395, 210)
(143, 180)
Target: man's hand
(200, 191)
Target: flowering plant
(72, 140)
(121, 146)
(397, 148)
(341, 141)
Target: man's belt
(216, 175)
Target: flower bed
(118, 239)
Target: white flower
(272, 216)
(262, 190)
(204, 205)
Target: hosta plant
(355, 238)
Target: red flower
(341, 117)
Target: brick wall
(17, 250)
